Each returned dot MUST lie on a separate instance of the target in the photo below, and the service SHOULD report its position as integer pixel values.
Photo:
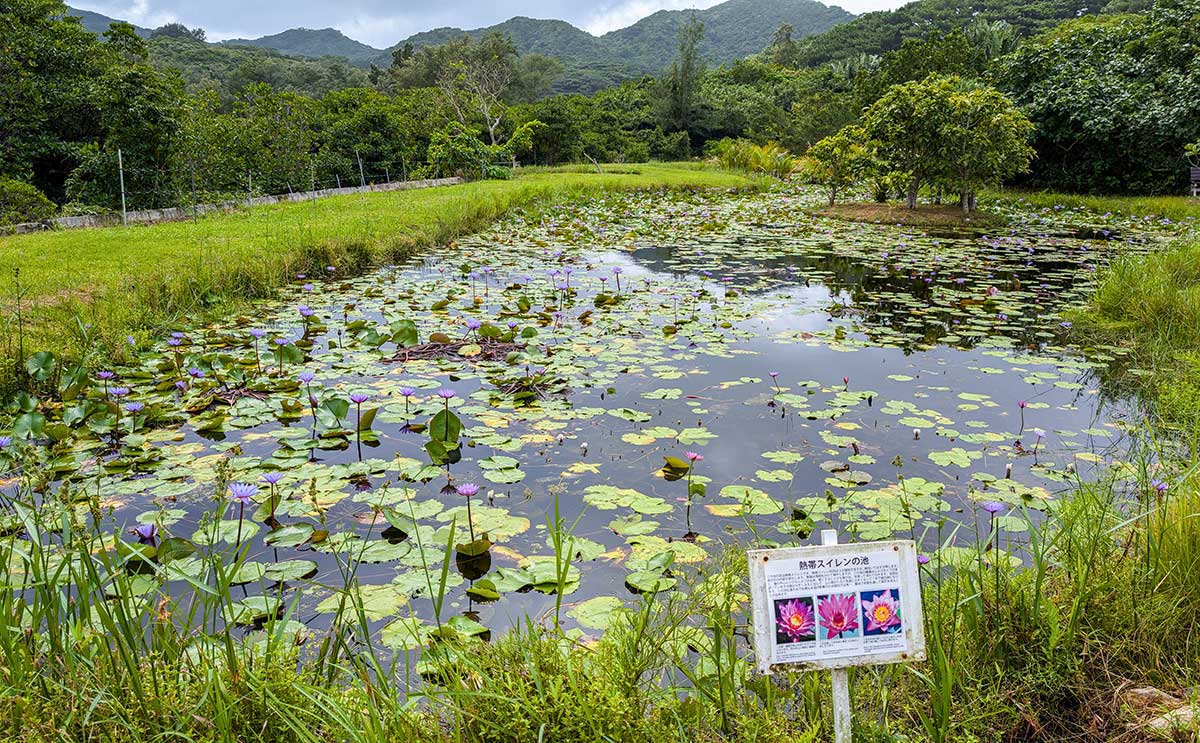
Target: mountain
(98, 23)
(885, 30)
(733, 29)
(306, 42)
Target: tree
(48, 65)
(985, 140)
(907, 125)
(475, 83)
(532, 78)
(180, 31)
(840, 160)
(783, 49)
(683, 82)
(946, 130)
(1115, 99)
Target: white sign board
(837, 605)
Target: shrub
(21, 202)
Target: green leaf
(41, 365)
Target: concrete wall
(175, 213)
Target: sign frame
(913, 627)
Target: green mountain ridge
(733, 29)
(313, 43)
(98, 23)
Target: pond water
(877, 378)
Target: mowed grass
(79, 293)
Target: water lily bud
(561, 438)
(1008, 471)
(916, 434)
(584, 447)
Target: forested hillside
(883, 31)
(733, 30)
(313, 43)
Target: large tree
(945, 130)
(682, 84)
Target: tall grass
(1150, 306)
(91, 648)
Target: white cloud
(628, 12)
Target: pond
(669, 373)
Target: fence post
(387, 175)
(312, 180)
(404, 168)
(121, 176)
(249, 188)
(338, 179)
(362, 179)
(192, 163)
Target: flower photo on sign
(794, 621)
(881, 612)
(838, 616)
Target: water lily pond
(667, 373)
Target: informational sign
(836, 605)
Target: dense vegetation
(886, 30)
(1113, 99)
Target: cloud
(628, 12)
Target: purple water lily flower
(272, 478)
(446, 394)
(146, 533)
(407, 391)
(467, 489)
(242, 492)
(992, 507)
(358, 398)
(134, 407)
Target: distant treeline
(1114, 99)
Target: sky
(381, 23)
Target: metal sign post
(835, 606)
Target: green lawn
(83, 291)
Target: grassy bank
(79, 293)
(1149, 306)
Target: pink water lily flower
(881, 612)
(796, 619)
(838, 614)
